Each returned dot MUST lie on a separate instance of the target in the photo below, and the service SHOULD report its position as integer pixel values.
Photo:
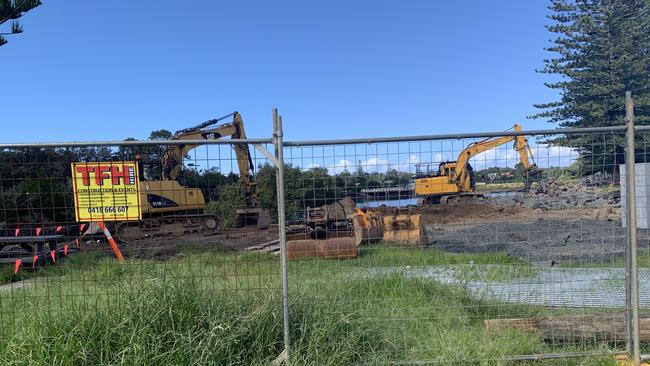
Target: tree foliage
(601, 50)
(36, 184)
(10, 11)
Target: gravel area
(553, 287)
(542, 242)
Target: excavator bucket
(335, 231)
(252, 217)
(368, 227)
(403, 228)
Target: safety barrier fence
(489, 248)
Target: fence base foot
(282, 359)
(624, 360)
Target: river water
(390, 203)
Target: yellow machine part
(404, 229)
(435, 186)
(622, 360)
(368, 227)
(400, 228)
(188, 199)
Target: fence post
(632, 281)
(279, 180)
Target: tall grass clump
(220, 309)
(175, 322)
(167, 323)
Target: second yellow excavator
(455, 178)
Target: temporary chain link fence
(488, 248)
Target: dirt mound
(467, 211)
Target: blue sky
(105, 70)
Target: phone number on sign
(108, 209)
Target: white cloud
(341, 166)
(374, 165)
(554, 156)
(409, 165)
(497, 157)
(439, 158)
(544, 155)
(503, 156)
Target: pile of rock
(597, 179)
(559, 195)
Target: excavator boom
(172, 161)
(176, 209)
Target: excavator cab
(446, 168)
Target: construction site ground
(229, 240)
(436, 283)
(533, 235)
(477, 225)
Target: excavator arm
(172, 161)
(461, 175)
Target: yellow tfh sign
(106, 191)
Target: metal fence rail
(370, 256)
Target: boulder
(531, 202)
(602, 213)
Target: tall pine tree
(10, 11)
(602, 49)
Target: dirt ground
(536, 236)
(544, 237)
(163, 248)
(471, 212)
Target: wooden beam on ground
(262, 245)
(573, 328)
(270, 248)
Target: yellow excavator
(455, 178)
(171, 208)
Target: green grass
(221, 309)
(643, 261)
(72, 262)
(473, 267)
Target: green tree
(319, 187)
(601, 51)
(150, 155)
(231, 197)
(293, 192)
(10, 11)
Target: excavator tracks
(175, 226)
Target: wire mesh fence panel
(181, 216)
(457, 249)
